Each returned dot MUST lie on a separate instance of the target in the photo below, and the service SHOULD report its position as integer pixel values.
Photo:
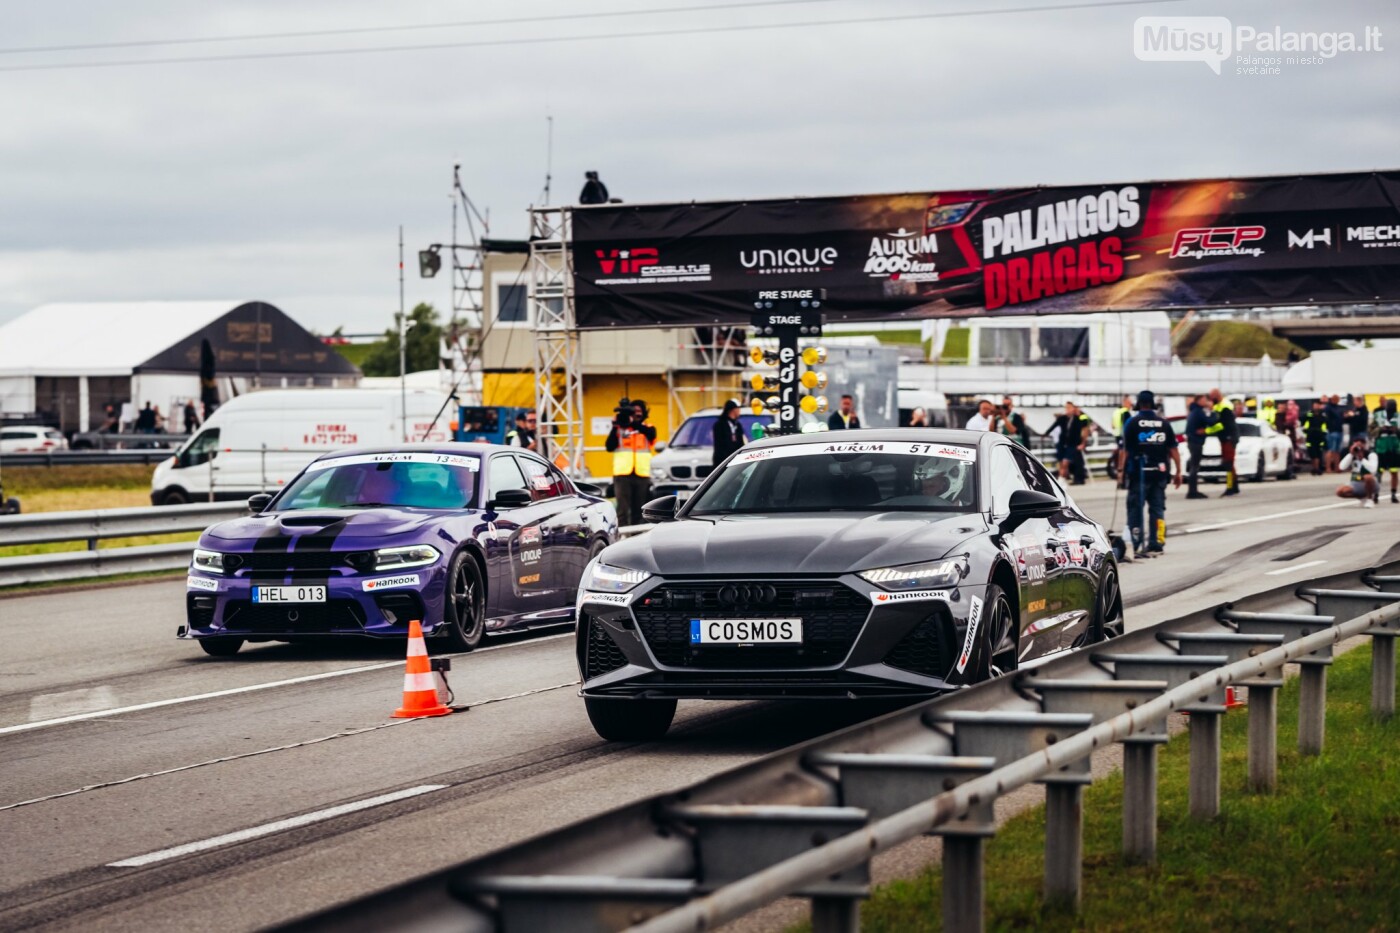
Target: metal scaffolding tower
(558, 362)
(466, 331)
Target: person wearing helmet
(728, 432)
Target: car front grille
(680, 472)
(602, 654)
(400, 607)
(927, 649)
(832, 615)
(292, 563)
(336, 615)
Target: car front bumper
(376, 605)
(858, 642)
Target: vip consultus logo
(627, 261)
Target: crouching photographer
(630, 442)
(1364, 466)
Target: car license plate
(746, 631)
(289, 594)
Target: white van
(260, 441)
(934, 404)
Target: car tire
(1000, 652)
(1288, 471)
(221, 646)
(1259, 474)
(12, 507)
(464, 603)
(1107, 621)
(174, 497)
(630, 720)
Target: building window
(512, 304)
(1004, 345)
(1064, 344)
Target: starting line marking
(1292, 567)
(250, 688)
(267, 829)
(1270, 517)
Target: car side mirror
(258, 501)
(660, 510)
(510, 499)
(1027, 504)
(589, 489)
(658, 447)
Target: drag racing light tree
(789, 315)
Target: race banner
(1244, 242)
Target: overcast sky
(285, 179)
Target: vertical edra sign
(1214, 39)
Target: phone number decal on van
(455, 460)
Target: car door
(517, 557)
(565, 533)
(1079, 552)
(1029, 548)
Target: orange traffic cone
(1232, 699)
(419, 692)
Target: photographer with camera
(1385, 429)
(1364, 466)
(630, 442)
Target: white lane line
(1268, 518)
(267, 829)
(251, 688)
(473, 704)
(1292, 567)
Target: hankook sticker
(608, 599)
(202, 583)
(974, 618)
(386, 583)
(881, 598)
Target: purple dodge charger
(465, 538)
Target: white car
(30, 439)
(1261, 452)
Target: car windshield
(413, 481)
(844, 476)
(1249, 430)
(699, 431)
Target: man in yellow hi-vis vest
(630, 442)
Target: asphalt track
(240, 792)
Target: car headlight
(412, 555)
(211, 562)
(605, 578)
(932, 574)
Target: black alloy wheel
(464, 605)
(630, 720)
(1003, 634)
(1108, 612)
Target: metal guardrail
(806, 821)
(96, 525)
(85, 457)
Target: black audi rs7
(842, 565)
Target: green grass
(1323, 853)
(956, 345)
(1232, 340)
(356, 352)
(911, 336)
(55, 547)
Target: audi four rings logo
(734, 595)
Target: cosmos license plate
(289, 594)
(746, 631)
